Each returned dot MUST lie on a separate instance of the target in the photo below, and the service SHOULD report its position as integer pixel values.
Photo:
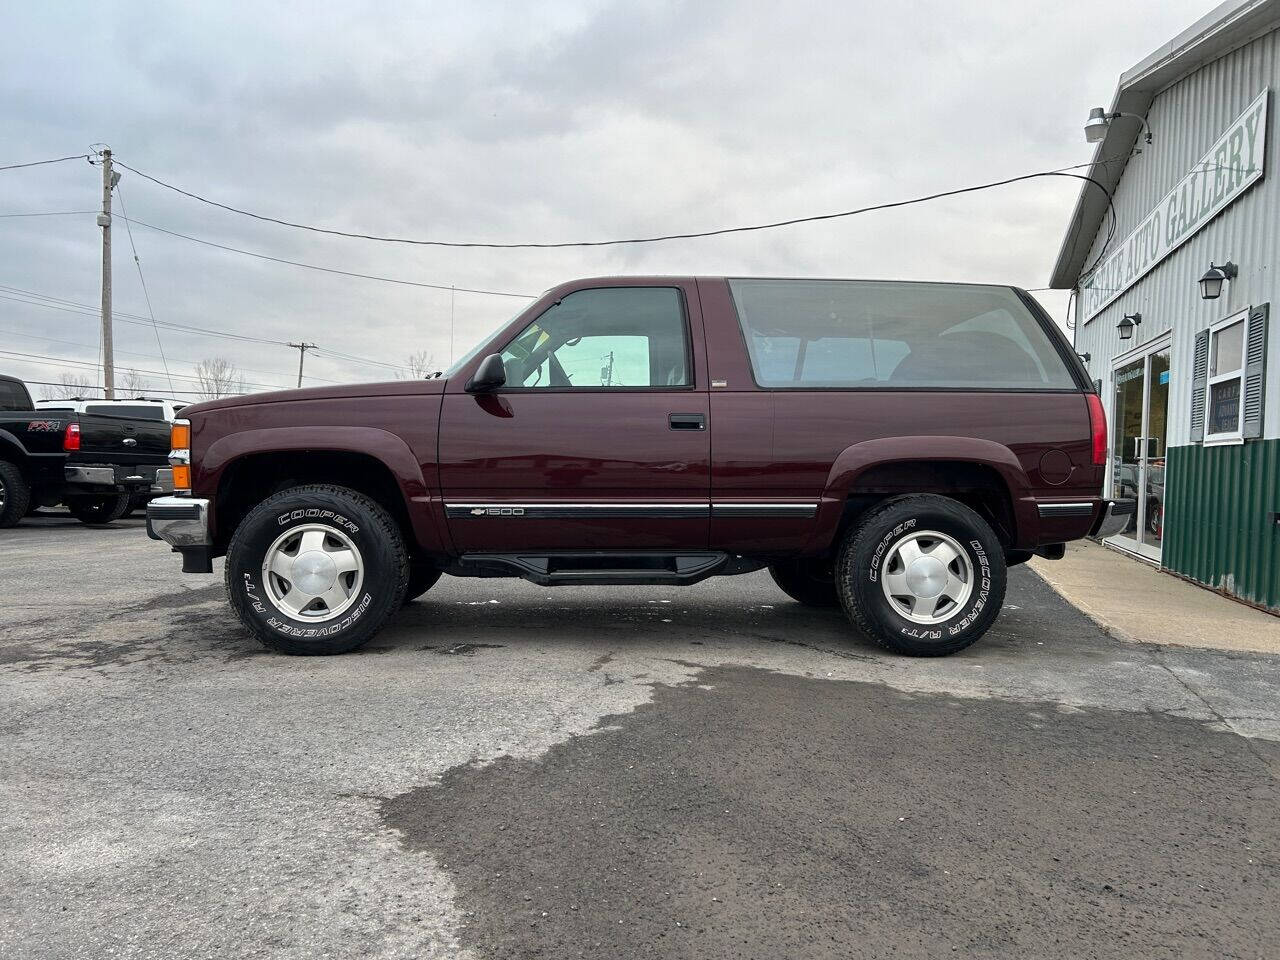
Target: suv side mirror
(490, 375)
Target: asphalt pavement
(516, 771)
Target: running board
(598, 567)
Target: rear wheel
(811, 581)
(15, 495)
(922, 575)
(96, 510)
(316, 570)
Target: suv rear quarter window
(853, 334)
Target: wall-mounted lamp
(1211, 282)
(1085, 357)
(1095, 128)
(1127, 323)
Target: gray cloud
(508, 121)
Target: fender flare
(858, 458)
(387, 448)
(10, 441)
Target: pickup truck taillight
(1097, 429)
(71, 437)
(180, 455)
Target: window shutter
(1254, 388)
(1199, 383)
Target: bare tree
(132, 384)
(70, 385)
(218, 377)
(418, 365)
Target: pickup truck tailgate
(123, 440)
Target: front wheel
(96, 510)
(316, 570)
(922, 575)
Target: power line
(38, 163)
(1061, 171)
(71, 306)
(52, 213)
(65, 361)
(150, 356)
(143, 280)
(98, 386)
(341, 273)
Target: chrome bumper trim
(1115, 518)
(97, 476)
(179, 521)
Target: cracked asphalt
(512, 771)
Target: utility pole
(302, 349)
(109, 179)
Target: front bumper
(1116, 517)
(182, 522)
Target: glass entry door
(1139, 437)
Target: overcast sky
(525, 122)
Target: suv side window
(849, 334)
(606, 338)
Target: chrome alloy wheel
(4, 495)
(927, 577)
(313, 572)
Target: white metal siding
(1185, 121)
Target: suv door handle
(130, 442)
(687, 421)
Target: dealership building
(1173, 277)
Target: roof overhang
(1223, 29)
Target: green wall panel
(1216, 526)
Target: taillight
(71, 437)
(1097, 429)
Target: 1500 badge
(497, 511)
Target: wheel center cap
(926, 577)
(314, 572)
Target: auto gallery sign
(1230, 167)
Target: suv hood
(395, 388)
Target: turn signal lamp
(180, 455)
(71, 437)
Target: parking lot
(512, 771)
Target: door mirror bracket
(490, 375)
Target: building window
(1226, 373)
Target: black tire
(421, 579)
(15, 495)
(99, 510)
(872, 545)
(811, 581)
(332, 510)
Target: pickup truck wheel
(922, 575)
(811, 582)
(95, 510)
(15, 495)
(316, 570)
(421, 579)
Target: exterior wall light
(1127, 323)
(1211, 282)
(1095, 128)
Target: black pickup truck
(93, 463)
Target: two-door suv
(887, 447)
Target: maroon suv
(887, 447)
